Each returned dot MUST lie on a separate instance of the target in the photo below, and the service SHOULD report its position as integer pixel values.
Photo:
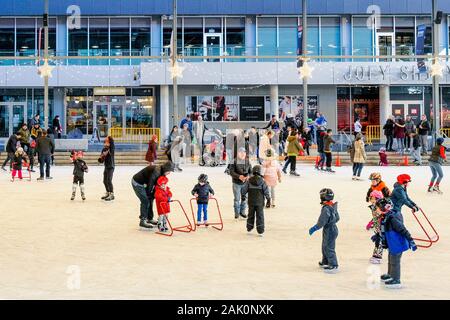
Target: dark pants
(329, 157)
(394, 261)
(357, 168)
(292, 160)
(107, 179)
(151, 198)
(44, 159)
(255, 212)
(9, 158)
(389, 142)
(407, 142)
(322, 159)
(329, 236)
(141, 193)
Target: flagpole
(173, 62)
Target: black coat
(425, 128)
(45, 146)
(203, 192)
(389, 128)
(107, 157)
(79, 168)
(257, 190)
(11, 145)
(240, 168)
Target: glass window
(38, 103)
(386, 24)
(78, 42)
(330, 36)
(120, 39)
(428, 34)
(25, 39)
(6, 40)
(235, 36)
(51, 35)
(213, 25)
(76, 114)
(362, 37)
(193, 37)
(404, 36)
(267, 36)
(287, 35)
(313, 36)
(167, 35)
(98, 40)
(445, 116)
(140, 36)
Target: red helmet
(162, 180)
(404, 178)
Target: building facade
(112, 66)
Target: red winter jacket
(162, 200)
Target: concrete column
(61, 31)
(250, 36)
(58, 107)
(164, 110)
(385, 109)
(274, 99)
(346, 35)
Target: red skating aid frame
(428, 242)
(26, 166)
(213, 224)
(185, 228)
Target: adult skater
(435, 162)
(45, 149)
(151, 156)
(388, 129)
(143, 184)
(400, 196)
(11, 148)
(424, 129)
(108, 159)
(358, 156)
(240, 170)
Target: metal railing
(134, 135)
(373, 133)
(445, 132)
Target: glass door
(212, 43)
(117, 116)
(407, 108)
(18, 116)
(385, 45)
(101, 119)
(4, 120)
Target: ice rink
(54, 248)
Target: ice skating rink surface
(54, 248)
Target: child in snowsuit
(19, 157)
(396, 239)
(163, 196)
(257, 190)
(272, 175)
(377, 184)
(79, 168)
(375, 224)
(202, 191)
(383, 157)
(328, 219)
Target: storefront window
(51, 35)
(120, 39)
(362, 37)
(38, 103)
(267, 37)
(404, 36)
(98, 40)
(140, 37)
(25, 39)
(167, 36)
(235, 36)
(428, 34)
(330, 37)
(313, 36)
(445, 116)
(287, 33)
(78, 42)
(76, 111)
(193, 37)
(6, 40)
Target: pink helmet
(376, 194)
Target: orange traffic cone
(338, 161)
(317, 160)
(405, 161)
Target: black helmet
(203, 178)
(326, 195)
(385, 204)
(256, 170)
(440, 141)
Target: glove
(369, 225)
(312, 230)
(375, 238)
(169, 199)
(415, 209)
(412, 245)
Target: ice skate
(83, 197)
(73, 196)
(284, 171)
(322, 265)
(393, 284)
(144, 224)
(110, 197)
(437, 190)
(105, 196)
(152, 222)
(375, 260)
(268, 204)
(4, 169)
(294, 173)
(329, 170)
(40, 179)
(260, 235)
(243, 215)
(273, 204)
(430, 189)
(385, 277)
(206, 223)
(330, 269)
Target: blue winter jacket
(400, 198)
(393, 222)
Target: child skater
(396, 239)
(328, 219)
(272, 175)
(163, 196)
(257, 190)
(375, 224)
(79, 168)
(435, 162)
(202, 191)
(19, 157)
(383, 157)
(377, 184)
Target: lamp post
(45, 25)
(304, 53)
(435, 91)
(174, 62)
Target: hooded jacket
(393, 221)
(400, 198)
(150, 174)
(240, 168)
(203, 192)
(329, 216)
(389, 127)
(79, 168)
(294, 147)
(257, 190)
(11, 145)
(162, 200)
(381, 186)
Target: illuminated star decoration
(436, 69)
(176, 71)
(45, 70)
(305, 71)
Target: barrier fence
(373, 133)
(134, 135)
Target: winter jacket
(327, 143)
(257, 190)
(240, 168)
(202, 192)
(329, 216)
(107, 157)
(381, 186)
(150, 174)
(294, 147)
(320, 145)
(18, 159)
(45, 146)
(79, 168)
(11, 145)
(416, 142)
(162, 200)
(150, 156)
(24, 135)
(272, 125)
(35, 132)
(272, 173)
(424, 128)
(359, 152)
(389, 128)
(410, 127)
(399, 132)
(189, 123)
(400, 198)
(438, 154)
(264, 145)
(393, 221)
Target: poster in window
(231, 108)
(297, 106)
(284, 107)
(205, 107)
(191, 105)
(361, 112)
(251, 108)
(267, 108)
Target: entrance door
(407, 108)
(12, 116)
(108, 115)
(101, 119)
(385, 45)
(212, 43)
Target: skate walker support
(25, 168)
(185, 228)
(428, 242)
(213, 224)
